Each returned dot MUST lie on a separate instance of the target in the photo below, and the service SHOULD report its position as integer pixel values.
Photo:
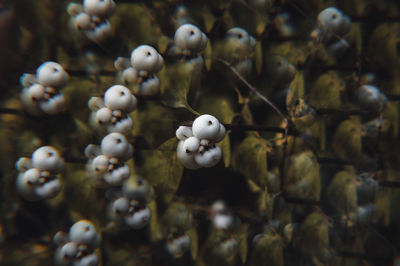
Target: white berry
(53, 105)
(190, 37)
(241, 39)
(147, 58)
(47, 158)
(332, 20)
(119, 97)
(116, 145)
(206, 127)
(186, 159)
(138, 219)
(101, 8)
(84, 232)
(117, 176)
(221, 133)
(88, 260)
(48, 189)
(183, 132)
(51, 74)
(120, 206)
(178, 246)
(150, 86)
(129, 75)
(191, 145)
(208, 158)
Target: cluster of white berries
(107, 161)
(111, 112)
(38, 175)
(221, 216)
(131, 209)
(196, 147)
(41, 92)
(91, 19)
(332, 26)
(140, 69)
(78, 247)
(189, 41)
(239, 46)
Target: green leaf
(225, 146)
(250, 159)
(163, 170)
(176, 81)
(194, 242)
(155, 229)
(242, 241)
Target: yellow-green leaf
(163, 170)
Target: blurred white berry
(331, 20)
(150, 86)
(371, 99)
(47, 158)
(88, 260)
(190, 37)
(119, 97)
(117, 176)
(120, 206)
(138, 188)
(129, 75)
(82, 21)
(54, 105)
(240, 40)
(49, 189)
(208, 158)
(103, 115)
(146, 58)
(101, 8)
(186, 159)
(66, 254)
(116, 145)
(51, 74)
(183, 132)
(138, 219)
(123, 126)
(100, 32)
(84, 232)
(178, 246)
(26, 182)
(206, 127)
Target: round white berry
(100, 33)
(138, 219)
(23, 164)
(119, 97)
(190, 37)
(99, 164)
(120, 206)
(116, 145)
(191, 145)
(206, 127)
(36, 92)
(82, 21)
(186, 159)
(146, 58)
(208, 158)
(101, 8)
(123, 126)
(371, 99)
(183, 132)
(241, 39)
(30, 104)
(150, 86)
(84, 232)
(332, 20)
(26, 182)
(178, 246)
(53, 105)
(65, 254)
(223, 221)
(103, 115)
(117, 176)
(137, 189)
(51, 74)
(88, 260)
(221, 133)
(49, 189)
(129, 75)
(47, 158)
